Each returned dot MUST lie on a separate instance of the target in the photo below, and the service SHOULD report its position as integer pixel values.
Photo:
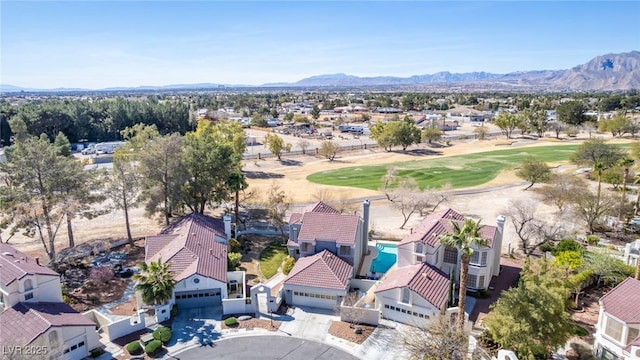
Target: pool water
(387, 255)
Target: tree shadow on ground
(262, 175)
(290, 162)
(421, 152)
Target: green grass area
(460, 171)
(271, 258)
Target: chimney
(365, 225)
(497, 244)
(210, 251)
(227, 226)
(37, 260)
(411, 231)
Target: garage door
(75, 350)
(198, 298)
(322, 301)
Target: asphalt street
(264, 348)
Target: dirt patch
(88, 297)
(126, 309)
(344, 330)
(255, 324)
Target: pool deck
(372, 253)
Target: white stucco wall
(126, 325)
(46, 288)
(417, 304)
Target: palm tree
(626, 163)
(463, 238)
(599, 167)
(237, 182)
(155, 282)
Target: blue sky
(119, 43)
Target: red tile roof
(190, 246)
(341, 228)
(322, 270)
(319, 207)
(623, 301)
(430, 229)
(14, 265)
(428, 282)
(27, 321)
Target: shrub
(287, 265)
(579, 331)
(234, 246)
(547, 246)
(569, 245)
(153, 347)
(593, 240)
(163, 334)
(96, 352)
(134, 348)
(233, 260)
(231, 321)
(101, 274)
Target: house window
(406, 296)
(345, 250)
(613, 329)
(196, 280)
(419, 248)
(479, 258)
(451, 255)
(306, 246)
(632, 335)
(28, 296)
(483, 259)
(481, 282)
(419, 258)
(472, 281)
(28, 285)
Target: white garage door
(75, 350)
(198, 298)
(323, 301)
(403, 315)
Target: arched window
(406, 296)
(419, 248)
(54, 341)
(28, 285)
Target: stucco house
(423, 246)
(632, 253)
(33, 313)
(618, 328)
(195, 246)
(413, 294)
(320, 280)
(320, 227)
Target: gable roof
(28, 321)
(430, 229)
(622, 301)
(14, 265)
(319, 207)
(189, 245)
(428, 282)
(324, 270)
(341, 228)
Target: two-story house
(618, 328)
(423, 246)
(326, 244)
(33, 313)
(420, 287)
(195, 246)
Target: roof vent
(6, 253)
(210, 251)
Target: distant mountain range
(608, 72)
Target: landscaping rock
(244, 317)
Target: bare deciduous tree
(436, 339)
(561, 190)
(530, 229)
(351, 313)
(405, 195)
(277, 203)
(304, 145)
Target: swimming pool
(387, 255)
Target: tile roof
(319, 207)
(14, 265)
(341, 228)
(428, 282)
(324, 270)
(27, 321)
(189, 245)
(429, 229)
(622, 301)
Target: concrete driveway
(195, 326)
(308, 323)
(265, 347)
